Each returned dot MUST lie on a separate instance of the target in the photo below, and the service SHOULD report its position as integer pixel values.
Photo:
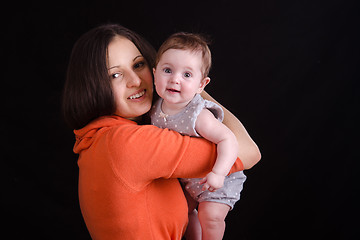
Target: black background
(289, 70)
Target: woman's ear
(203, 83)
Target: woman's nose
(133, 80)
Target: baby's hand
(212, 182)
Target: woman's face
(131, 79)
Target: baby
(182, 67)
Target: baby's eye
(187, 74)
(167, 70)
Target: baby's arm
(227, 148)
(248, 150)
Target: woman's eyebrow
(119, 65)
(114, 67)
(137, 57)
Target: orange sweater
(128, 187)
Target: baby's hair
(188, 41)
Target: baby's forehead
(184, 50)
(185, 54)
(182, 57)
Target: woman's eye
(187, 74)
(167, 70)
(139, 65)
(115, 75)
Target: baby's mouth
(172, 90)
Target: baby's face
(178, 75)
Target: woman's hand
(212, 182)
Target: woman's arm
(141, 154)
(249, 152)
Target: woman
(128, 187)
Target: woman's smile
(138, 95)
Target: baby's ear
(154, 70)
(203, 83)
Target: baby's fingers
(205, 187)
(202, 181)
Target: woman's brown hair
(88, 93)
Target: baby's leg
(212, 218)
(193, 230)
